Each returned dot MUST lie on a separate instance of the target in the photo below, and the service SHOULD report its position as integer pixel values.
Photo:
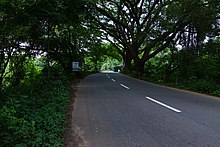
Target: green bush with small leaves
(34, 113)
(204, 86)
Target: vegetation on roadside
(39, 40)
(34, 112)
(172, 42)
(195, 69)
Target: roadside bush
(216, 92)
(34, 113)
(205, 86)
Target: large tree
(145, 27)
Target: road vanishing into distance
(114, 110)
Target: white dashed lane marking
(126, 87)
(113, 80)
(164, 105)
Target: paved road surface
(118, 111)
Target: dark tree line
(65, 30)
(41, 28)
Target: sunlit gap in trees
(38, 54)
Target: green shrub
(216, 92)
(34, 113)
(205, 86)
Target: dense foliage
(41, 28)
(163, 40)
(103, 57)
(34, 113)
(141, 29)
(196, 68)
(35, 37)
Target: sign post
(75, 66)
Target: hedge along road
(114, 110)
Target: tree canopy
(64, 31)
(37, 28)
(143, 28)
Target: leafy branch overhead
(145, 27)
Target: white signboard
(75, 66)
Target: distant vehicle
(117, 68)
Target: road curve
(114, 110)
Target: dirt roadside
(72, 136)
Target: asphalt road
(114, 110)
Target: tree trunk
(48, 50)
(189, 37)
(140, 68)
(96, 64)
(127, 62)
(139, 65)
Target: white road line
(162, 104)
(108, 76)
(124, 86)
(113, 80)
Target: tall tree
(144, 27)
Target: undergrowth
(202, 86)
(34, 113)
